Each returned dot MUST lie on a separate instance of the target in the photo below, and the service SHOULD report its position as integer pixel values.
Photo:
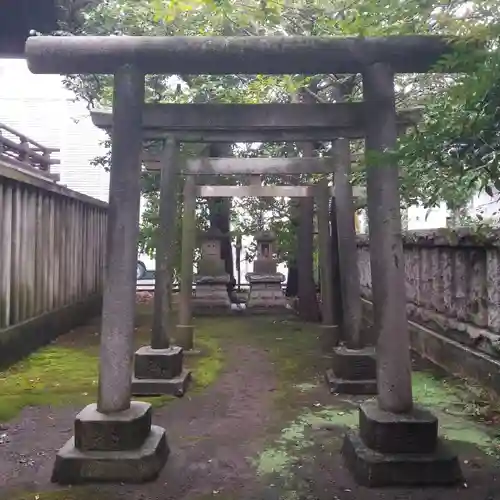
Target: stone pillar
(114, 440)
(158, 368)
(162, 317)
(397, 442)
(353, 365)
(185, 329)
(266, 294)
(330, 333)
(211, 296)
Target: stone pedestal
(159, 371)
(354, 371)
(116, 447)
(266, 294)
(399, 449)
(211, 295)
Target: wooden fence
(52, 250)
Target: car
(145, 265)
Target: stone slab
(373, 469)
(125, 430)
(176, 386)
(354, 364)
(152, 363)
(143, 464)
(386, 432)
(354, 387)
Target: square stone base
(162, 364)
(125, 430)
(176, 386)
(373, 469)
(143, 464)
(386, 432)
(354, 364)
(266, 296)
(354, 387)
(354, 371)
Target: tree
(447, 157)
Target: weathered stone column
(353, 365)
(185, 329)
(158, 368)
(349, 274)
(397, 443)
(330, 334)
(114, 440)
(162, 317)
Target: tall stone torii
(396, 442)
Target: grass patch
(52, 376)
(66, 372)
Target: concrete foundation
(399, 449)
(119, 447)
(160, 371)
(354, 371)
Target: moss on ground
(66, 372)
(322, 428)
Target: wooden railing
(52, 250)
(21, 151)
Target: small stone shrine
(266, 294)
(211, 295)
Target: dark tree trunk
(337, 293)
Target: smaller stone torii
(396, 442)
(254, 168)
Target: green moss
(207, 367)
(67, 372)
(54, 375)
(448, 401)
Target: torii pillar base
(119, 447)
(160, 372)
(399, 450)
(354, 371)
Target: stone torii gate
(267, 123)
(114, 440)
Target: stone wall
(452, 287)
(52, 250)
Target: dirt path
(212, 435)
(266, 429)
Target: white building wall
(40, 107)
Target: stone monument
(211, 295)
(266, 294)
